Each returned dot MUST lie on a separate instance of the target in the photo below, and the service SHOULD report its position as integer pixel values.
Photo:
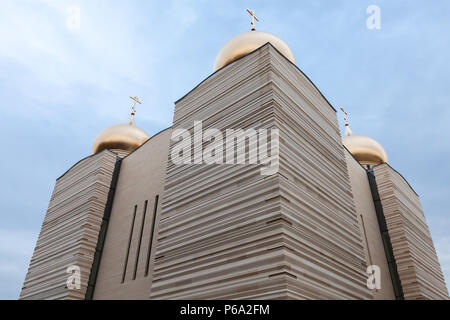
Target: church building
(333, 221)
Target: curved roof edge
(266, 44)
(106, 150)
(92, 155)
(155, 135)
(400, 176)
(381, 165)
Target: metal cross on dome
(345, 116)
(135, 99)
(133, 110)
(252, 13)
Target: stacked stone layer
(226, 231)
(417, 263)
(70, 229)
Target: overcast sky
(60, 85)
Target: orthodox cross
(135, 99)
(133, 110)
(252, 13)
(345, 116)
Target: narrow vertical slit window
(129, 245)
(155, 209)
(140, 240)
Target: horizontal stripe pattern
(417, 262)
(70, 229)
(226, 231)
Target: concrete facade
(417, 262)
(127, 260)
(369, 227)
(220, 231)
(228, 232)
(70, 230)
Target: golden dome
(247, 42)
(121, 138)
(366, 150)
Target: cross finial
(347, 128)
(133, 110)
(252, 13)
(345, 116)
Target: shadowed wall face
(126, 264)
(369, 227)
(70, 230)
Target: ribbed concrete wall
(70, 229)
(369, 227)
(126, 264)
(417, 263)
(228, 232)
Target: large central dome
(247, 42)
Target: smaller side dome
(123, 138)
(247, 42)
(366, 150)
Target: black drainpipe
(102, 234)
(396, 283)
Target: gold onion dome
(121, 138)
(247, 42)
(366, 151)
